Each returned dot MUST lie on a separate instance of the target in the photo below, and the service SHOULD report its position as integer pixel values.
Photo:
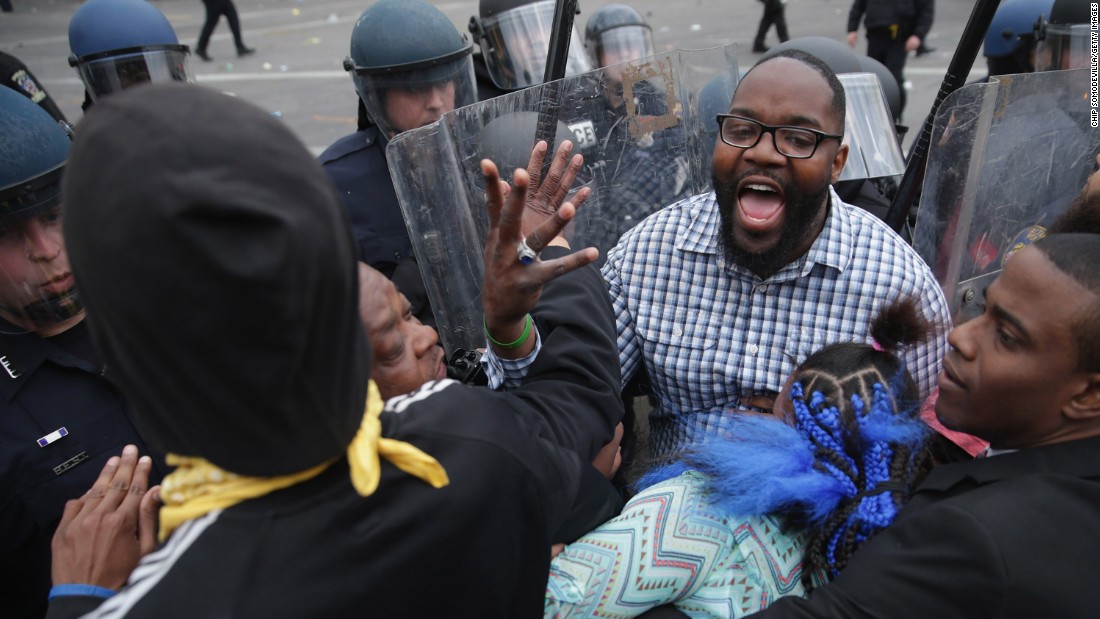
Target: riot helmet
(36, 287)
(410, 65)
(715, 99)
(120, 43)
(617, 33)
(1010, 40)
(514, 36)
(1064, 38)
(507, 140)
(838, 56)
(889, 85)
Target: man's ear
(838, 162)
(1085, 406)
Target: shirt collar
(833, 246)
(22, 354)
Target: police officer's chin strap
(49, 311)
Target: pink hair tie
(877, 346)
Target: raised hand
(545, 196)
(511, 287)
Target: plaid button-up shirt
(713, 335)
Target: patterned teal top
(670, 545)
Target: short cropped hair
(1077, 255)
(838, 103)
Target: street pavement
(297, 71)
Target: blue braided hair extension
(870, 503)
(834, 478)
(764, 466)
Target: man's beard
(1083, 215)
(800, 214)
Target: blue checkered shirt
(713, 335)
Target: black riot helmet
(1064, 38)
(838, 56)
(617, 33)
(410, 65)
(514, 36)
(36, 289)
(890, 87)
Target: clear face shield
(36, 284)
(516, 42)
(869, 131)
(116, 71)
(619, 45)
(1064, 47)
(402, 100)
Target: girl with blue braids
(774, 508)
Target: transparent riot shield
(1007, 157)
(645, 146)
(869, 131)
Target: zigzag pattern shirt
(669, 546)
(713, 335)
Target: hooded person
(288, 500)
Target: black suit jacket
(1013, 535)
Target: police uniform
(357, 166)
(60, 420)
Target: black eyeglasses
(793, 142)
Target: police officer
(410, 65)
(117, 44)
(514, 36)
(617, 33)
(1064, 38)
(893, 30)
(1010, 40)
(60, 418)
(650, 170)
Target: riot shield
(1007, 157)
(644, 147)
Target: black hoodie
(222, 280)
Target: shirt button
(678, 332)
(753, 349)
(762, 288)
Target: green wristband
(509, 345)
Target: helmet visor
(619, 45)
(115, 73)
(1063, 47)
(405, 100)
(869, 131)
(515, 44)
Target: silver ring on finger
(525, 254)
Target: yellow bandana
(197, 487)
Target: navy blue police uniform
(61, 419)
(356, 164)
